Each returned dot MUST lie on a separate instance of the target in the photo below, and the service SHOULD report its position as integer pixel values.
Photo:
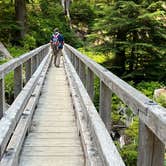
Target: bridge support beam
(2, 97)
(105, 104)
(151, 149)
(18, 83)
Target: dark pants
(56, 55)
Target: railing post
(37, 60)
(28, 69)
(33, 64)
(82, 72)
(2, 97)
(74, 59)
(151, 149)
(89, 83)
(77, 65)
(105, 104)
(18, 82)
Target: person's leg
(58, 57)
(55, 55)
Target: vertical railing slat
(77, 65)
(28, 69)
(90, 83)
(2, 97)
(18, 82)
(105, 104)
(151, 149)
(82, 72)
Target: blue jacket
(60, 39)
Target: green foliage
(29, 42)
(162, 100)
(81, 11)
(135, 32)
(9, 87)
(129, 154)
(17, 51)
(148, 87)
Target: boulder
(4, 53)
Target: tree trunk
(66, 6)
(120, 57)
(20, 13)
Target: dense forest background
(128, 37)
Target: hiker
(57, 42)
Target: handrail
(152, 116)
(13, 63)
(38, 58)
(105, 146)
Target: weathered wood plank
(77, 64)
(153, 115)
(8, 122)
(28, 69)
(90, 83)
(2, 97)
(105, 145)
(105, 105)
(52, 161)
(18, 80)
(151, 149)
(82, 72)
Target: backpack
(56, 40)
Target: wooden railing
(152, 124)
(33, 63)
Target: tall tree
(66, 7)
(137, 33)
(20, 13)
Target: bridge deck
(53, 138)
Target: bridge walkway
(53, 138)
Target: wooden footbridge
(53, 121)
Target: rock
(4, 53)
(159, 92)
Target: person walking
(57, 42)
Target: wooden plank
(13, 114)
(12, 64)
(52, 161)
(50, 129)
(18, 80)
(2, 97)
(53, 135)
(52, 151)
(52, 142)
(104, 143)
(77, 65)
(28, 69)
(105, 105)
(151, 149)
(82, 72)
(153, 115)
(90, 83)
